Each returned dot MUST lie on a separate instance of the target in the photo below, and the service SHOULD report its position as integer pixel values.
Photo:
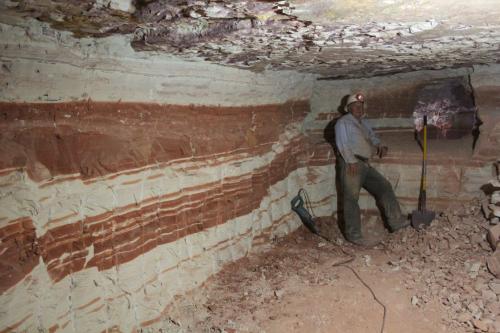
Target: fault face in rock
(333, 39)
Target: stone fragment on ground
(493, 263)
(495, 286)
(480, 324)
(493, 236)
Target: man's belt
(362, 158)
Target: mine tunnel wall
(127, 179)
(456, 170)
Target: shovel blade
(422, 218)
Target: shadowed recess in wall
(449, 106)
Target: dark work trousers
(376, 184)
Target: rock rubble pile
(456, 262)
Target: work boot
(404, 223)
(365, 242)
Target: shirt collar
(351, 117)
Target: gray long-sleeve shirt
(354, 137)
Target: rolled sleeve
(373, 137)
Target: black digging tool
(306, 217)
(423, 217)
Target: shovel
(422, 217)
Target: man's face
(356, 109)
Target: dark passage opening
(450, 108)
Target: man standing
(356, 144)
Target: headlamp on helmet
(358, 97)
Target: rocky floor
(435, 280)
(447, 263)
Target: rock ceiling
(334, 39)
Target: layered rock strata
(94, 194)
(128, 179)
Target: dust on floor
(434, 280)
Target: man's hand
(382, 151)
(352, 169)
